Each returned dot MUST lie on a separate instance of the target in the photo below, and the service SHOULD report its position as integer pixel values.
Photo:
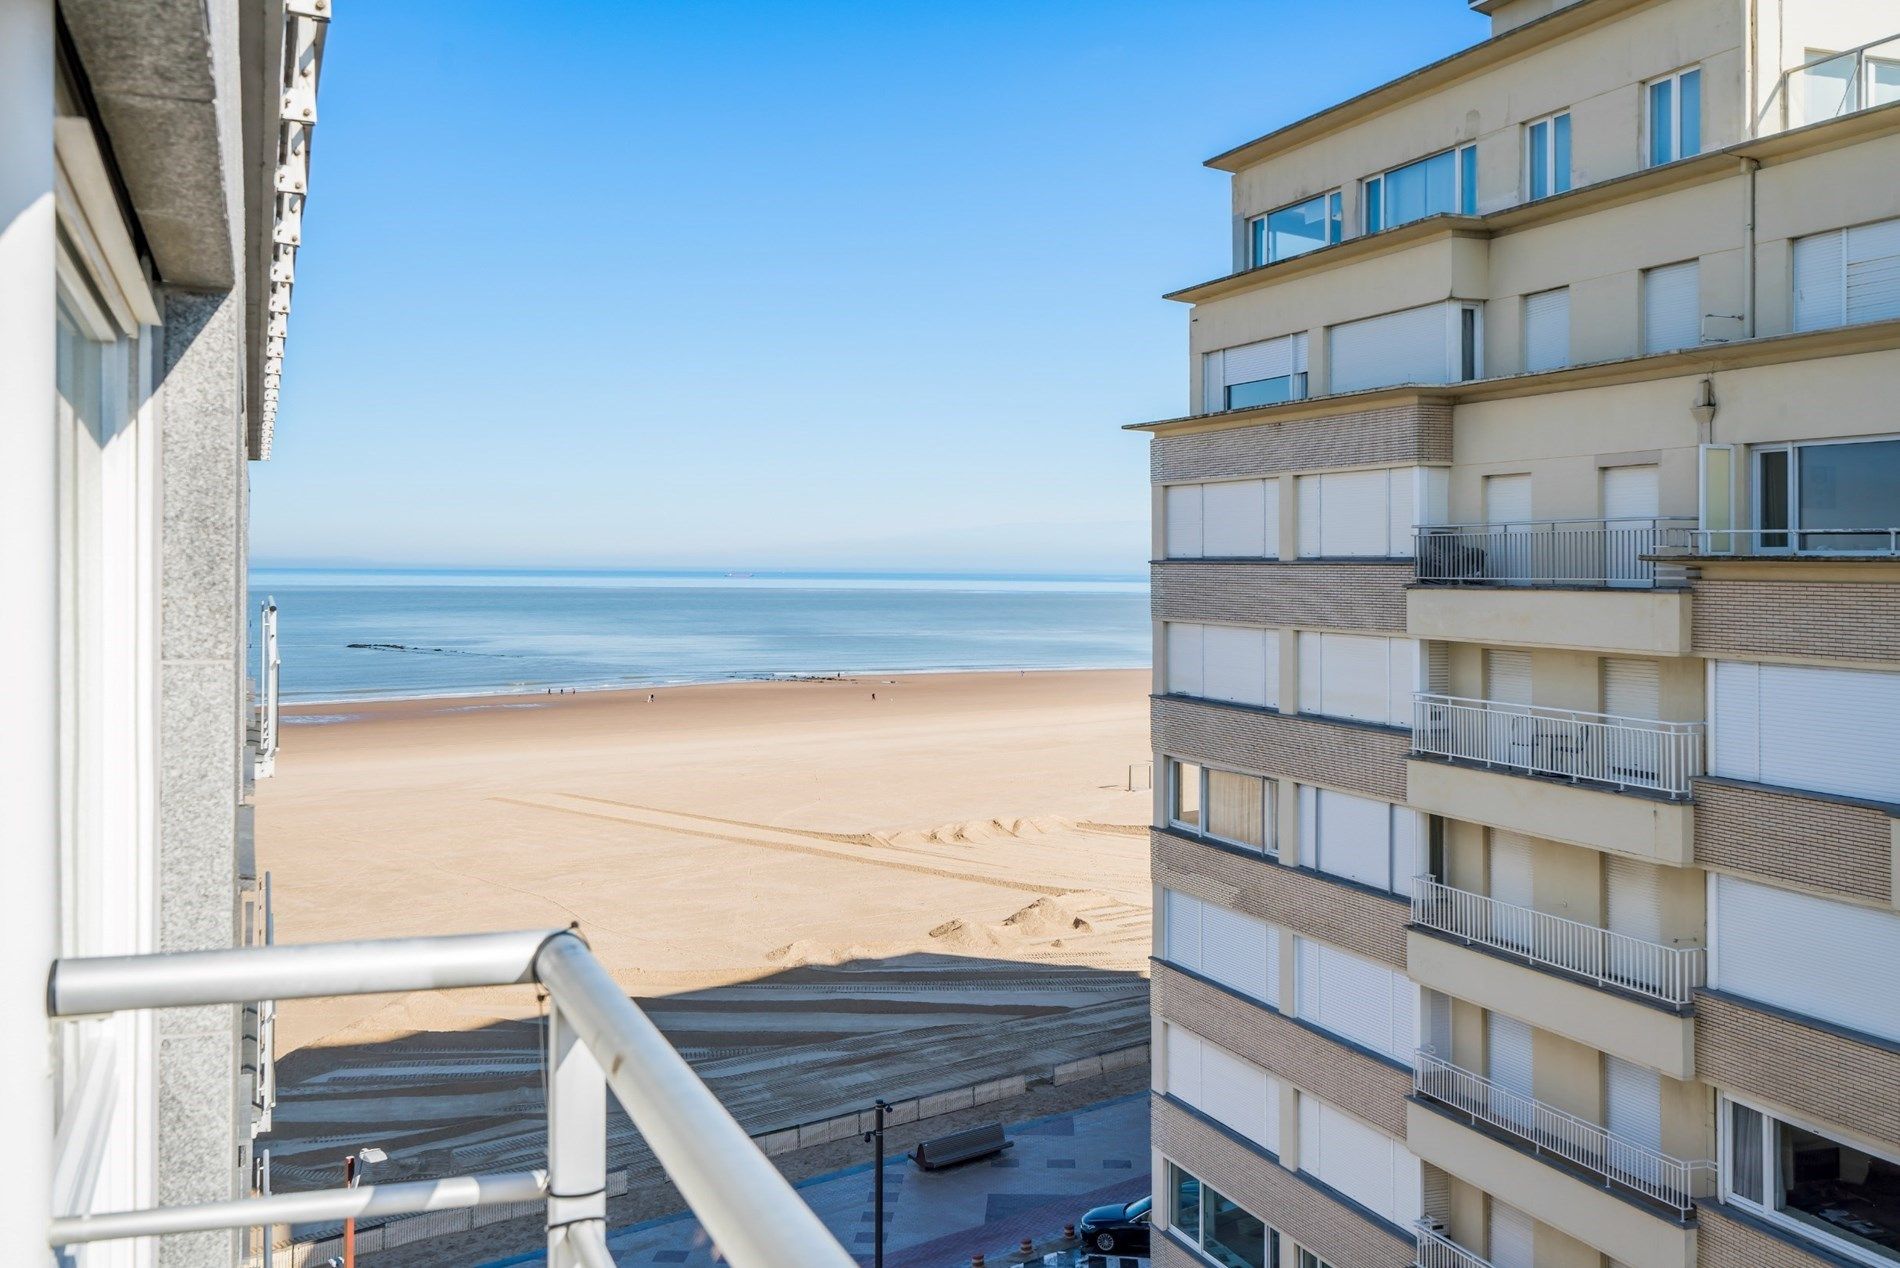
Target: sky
(771, 285)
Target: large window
(1444, 183)
(1361, 677)
(1360, 839)
(1252, 374)
(1672, 117)
(1434, 343)
(1812, 1182)
(1366, 1165)
(1547, 156)
(1367, 514)
(1226, 1088)
(1239, 951)
(1847, 275)
(1229, 519)
(1235, 664)
(1800, 953)
(1295, 230)
(1225, 805)
(1360, 1000)
(1812, 727)
(1220, 1228)
(1841, 497)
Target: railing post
(577, 1148)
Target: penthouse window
(1441, 184)
(1847, 275)
(1841, 498)
(1295, 230)
(1263, 373)
(1812, 1182)
(1547, 156)
(1672, 117)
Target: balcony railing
(597, 1040)
(1607, 958)
(1773, 543)
(1549, 552)
(1836, 84)
(1598, 748)
(1648, 1172)
(1435, 1250)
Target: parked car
(1117, 1229)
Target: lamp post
(876, 1136)
(353, 1168)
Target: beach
(817, 887)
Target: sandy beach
(816, 887)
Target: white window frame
(1335, 216)
(1559, 179)
(1269, 799)
(1674, 78)
(1724, 1170)
(1461, 197)
(1794, 530)
(1172, 765)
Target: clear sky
(771, 285)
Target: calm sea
(360, 634)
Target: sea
(353, 634)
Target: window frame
(1334, 200)
(1464, 188)
(1813, 1234)
(1647, 140)
(1793, 530)
(1203, 1215)
(1559, 176)
(1269, 799)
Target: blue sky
(757, 285)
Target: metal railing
(264, 763)
(1607, 958)
(1772, 543)
(596, 1039)
(1585, 552)
(1598, 748)
(1837, 84)
(1648, 1172)
(1435, 1250)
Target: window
(1812, 727)
(1811, 498)
(1547, 156)
(1436, 343)
(1184, 795)
(1360, 1000)
(1238, 808)
(1672, 307)
(1802, 953)
(1295, 230)
(1220, 1228)
(1361, 677)
(1228, 1089)
(1360, 839)
(1547, 330)
(1263, 373)
(1367, 514)
(1847, 275)
(1812, 1182)
(1235, 664)
(1231, 519)
(1830, 84)
(1309, 1260)
(1224, 946)
(1361, 1162)
(1673, 117)
(1438, 185)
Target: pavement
(1057, 1168)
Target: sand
(818, 894)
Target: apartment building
(1527, 662)
(153, 167)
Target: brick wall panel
(1396, 436)
(1833, 846)
(1819, 1073)
(1343, 755)
(1836, 621)
(1725, 1240)
(1367, 597)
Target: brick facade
(1729, 1239)
(1816, 1072)
(1366, 597)
(1826, 620)
(1298, 1208)
(1397, 436)
(1343, 755)
(1344, 1077)
(1838, 847)
(1342, 915)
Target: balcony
(1616, 553)
(1621, 1164)
(1435, 1250)
(1699, 544)
(1645, 754)
(1668, 974)
(1834, 85)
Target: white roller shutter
(1359, 1161)
(1307, 490)
(1270, 519)
(1185, 664)
(1353, 514)
(1547, 330)
(1413, 346)
(1408, 831)
(1631, 493)
(1401, 511)
(1237, 1093)
(1236, 663)
(1312, 652)
(1401, 680)
(1873, 271)
(1508, 1053)
(1353, 675)
(1184, 1064)
(1632, 1102)
(1507, 676)
(1507, 499)
(1250, 362)
(1361, 1001)
(1507, 683)
(1631, 688)
(1181, 934)
(1354, 837)
(1234, 520)
(1672, 307)
(1511, 868)
(1823, 959)
(1513, 1237)
(1234, 951)
(1822, 729)
(1820, 280)
(1182, 512)
(1633, 898)
(1735, 721)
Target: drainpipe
(1750, 166)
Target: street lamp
(876, 1136)
(353, 1168)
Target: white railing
(1875, 543)
(1638, 1168)
(597, 1039)
(1599, 748)
(1548, 552)
(1670, 974)
(269, 665)
(1837, 84)
(1435, 1250)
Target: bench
(960, 1147)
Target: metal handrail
(1574, 744)
(1855, 94)
(1674, 1182)
(1566, 552)
(1723, 542)
(598, 1039)
(1667, 973)
(1435, 1250)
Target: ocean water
(364, 634)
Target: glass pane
(1295, 230)
(1286, 387)
(1560, 155)
(1186, 785)
(1257, 241)
(1662, 116)
(1375, 200)
(1237, 808)
(1185, 1218)
(1540, 160)
(1334, 217)
(1691, 107)
(1468, 180)
(1839, 1189)
(1235, 1237)
(1771, 482)
(1849, 487)
(1745, 1152)
(1822, 90)
(1883, 80)
(1421, 189)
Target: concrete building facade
(1527, 685)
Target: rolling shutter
(1811, 956)
(1363, 1163)
(1360, 1001)
(1547, 330)
(1672, 307)
(1233, 519)
(1507, 499)
(1631, 493)
(1507, 676)
(1508, 1053)
(1401, 680)
(1633, 899)
(1182, 514)
(1821, 729)
(1353, 516)
(1735, 721)
(1181, 935)
(1354, 837)
(1237, 1093)
(1631, 688)
(1513, 1238)
(1511, 868)
(1401, 511)
(1236, 663)
(1353, 673)
(1412, 346)
(1185, 665)
(1234, 951)
(1268, 359)
(1307, 490)
(1184, 1064)
(1820, 280)
(1873, 271)
(1632, 1102)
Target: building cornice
(1836, 341)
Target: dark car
(1117, 1229)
